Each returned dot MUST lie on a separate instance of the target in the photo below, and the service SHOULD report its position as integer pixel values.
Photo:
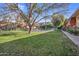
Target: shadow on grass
(7, 33)
(49, 43)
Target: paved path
(43, 30)
(74, 38)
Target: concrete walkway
(74, 38)
(43, 30)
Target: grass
(37, 43)
(6, 36)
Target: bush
(73, 31)
(47, 27)
(76, 32)
(70, 30)
(60, 27)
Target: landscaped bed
(73, 31)
(37, 43)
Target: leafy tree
(58, 20)
(36, 12)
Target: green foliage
(57, 23)
(36, 12)
(76, 33)
(46, 27)
(73, 31)
(58, 20)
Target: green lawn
(6, 36)
(36, 43)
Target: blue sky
(72, 8)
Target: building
(73, 21)
(7, 26)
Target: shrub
(47, 26)
(73, 31)
(76, 32)
(70, 30)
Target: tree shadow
(7, 34)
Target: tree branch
(43, 18)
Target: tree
(58, 20)
(36, 12)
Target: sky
(72, 8)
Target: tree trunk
(45, 25)
(29, 30)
